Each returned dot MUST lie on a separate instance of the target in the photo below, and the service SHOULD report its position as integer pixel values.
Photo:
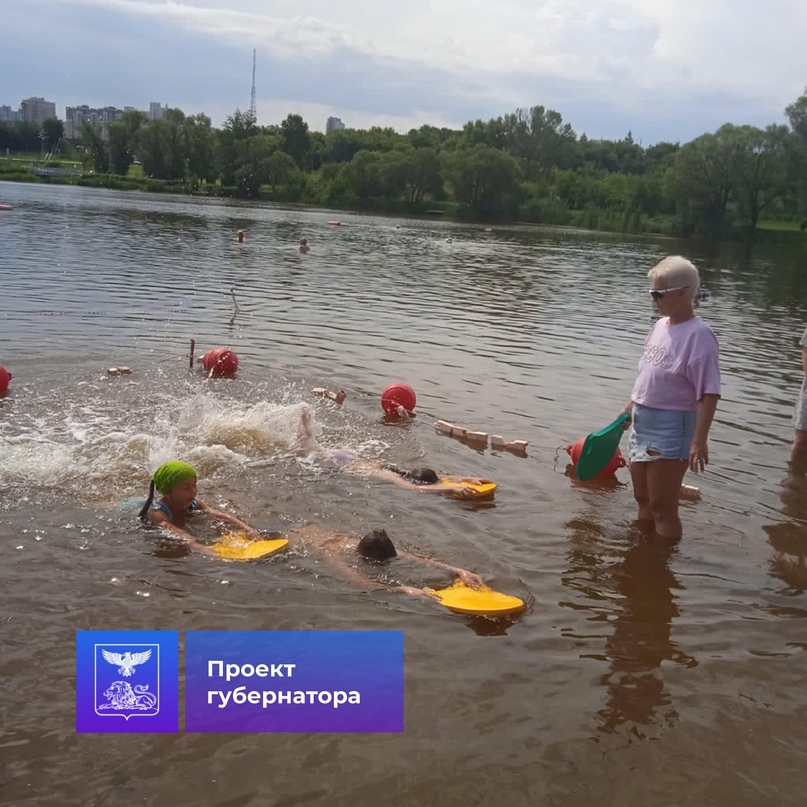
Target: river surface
(636, 676)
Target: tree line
(527, 165)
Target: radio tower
(252, 97)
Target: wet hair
(418, 476)
(377, 545)
(144, 512)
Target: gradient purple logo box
(127, 681)
(294, 681)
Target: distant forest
(526, 166)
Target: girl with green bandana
(177, 482)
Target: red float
(616, 462)
(5, 377)
(398, 394)
(220, 362)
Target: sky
(665, 70)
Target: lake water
(636, 676)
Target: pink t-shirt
(680, 364)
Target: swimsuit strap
(164, 507)
(192, 508)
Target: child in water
(423, 480)
(177, 483)
(375, 546)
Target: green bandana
(170, 474)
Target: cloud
(666, 70)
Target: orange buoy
(220, 362)
(615, 463)
(5, 207)
(5, 377)
(335, 223)
(398, 394)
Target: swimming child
(423, 480)
(176, 481)
(376, 546)
(239, 236)
(304, 246)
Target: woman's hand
(698, 455)
(628, 410)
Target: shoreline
(449, 211)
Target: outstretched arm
(161, 520)
(228, 518)
(469, 578)
(351, 574)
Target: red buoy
(220, 362)
(398, 394)
(616, 462)
(5, 377)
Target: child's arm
(160, 519)
(459, 490)
(228, 518)
(469, 578)
(351, 574)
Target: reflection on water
(527, 332)
(626, 585)
(789, 538)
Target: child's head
(376, 545)
(422, 476)
(176, 481)
(303, 242)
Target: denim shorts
(660, 434)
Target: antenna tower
(252, 97)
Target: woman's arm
(699, 450)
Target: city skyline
(660, 70)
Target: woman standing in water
(674, 398)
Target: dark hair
(144, 512)
(419, 476)
(376, 545)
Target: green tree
(412, 174)
(96, 149)
(704, 175)
(295, 138)
(123, 140)
(238, 127)
(761, 177)
(279, 168)
(484, 178)
(363, 175)
(52, 132)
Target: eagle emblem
(128, 661)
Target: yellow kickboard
(480, 491)
(236, 546)
(484, 601)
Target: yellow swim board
(479, 491)
(483, 601)
(236, 546)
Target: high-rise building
(8, 114)
(35, 110)
(76, 116)
(156, 110)
(333, 125)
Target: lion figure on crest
(121, 696)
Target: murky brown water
(636, 677)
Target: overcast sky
(664, 69)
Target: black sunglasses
(657, 294)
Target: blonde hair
(677, 271)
